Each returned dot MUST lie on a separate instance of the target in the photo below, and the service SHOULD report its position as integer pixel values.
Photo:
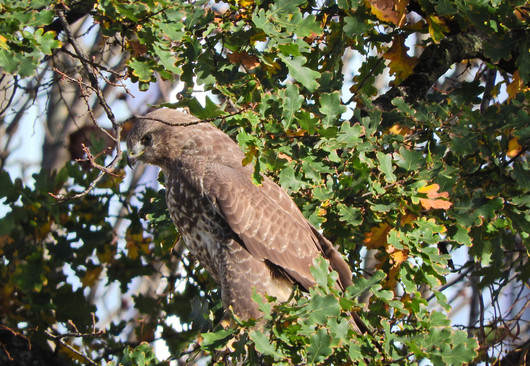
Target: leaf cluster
(408, 185)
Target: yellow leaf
(513, 147)
(298, 133)
(401, 64)
(393, 11)
(399, 256)
(400, 130)
(107, 255)
(249, 156)
(3, 43)
(246, 3)
(91, 276)
(437, 28)
(433, 198)
(517, 85)
(136, 244)
(376, 238)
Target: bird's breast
(202, 228)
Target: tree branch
(78, 9)
(435, 60)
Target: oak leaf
(400, 130)
(401, 64)
(517, 85)
(433, 199)
(376, 238)
(243, 58)
(513, 147)
(393, 11)
(91, 276)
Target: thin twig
(94, 86)
(87, 66)
(93, 64)
(92, 160)
(196, 122)
(59, 341)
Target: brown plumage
(246, 236)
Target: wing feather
(270, 227)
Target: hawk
(246, 236)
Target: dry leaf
(285, 156)
(393, 11)
(376, 238)
(517, 85)
(401, 64)
(243, 58)
(91, 276)
(513, 147)
(400, 130)
(433, 198)
(138, 48)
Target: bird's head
(150, 139)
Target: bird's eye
(146, 140)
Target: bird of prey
(247, 236)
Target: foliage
(413, 174)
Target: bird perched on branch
(246, 236)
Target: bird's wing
(266, 219)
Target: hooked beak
(131, 161)
(132, 157)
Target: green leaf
(216, 340)
(142, 70)
(462, 236)
(307, 121)
(166, 59)
(521, 174)
(304, 75)
(291, 104)
(264, 346)
(46, 41)
(142, 355)
(385, 166)
(351, 215)
(331, 107)
(289, 180)
(321, 308)
(319, 348)
(361, 285)
(410, 160)
(523, 61)
(208, 111)
(300, 25)
(323, 277)
(355, 26)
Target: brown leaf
(401, 64)
(243, 58)
(376, 238)
(393, 11)
(138, 48)
(433, 198)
